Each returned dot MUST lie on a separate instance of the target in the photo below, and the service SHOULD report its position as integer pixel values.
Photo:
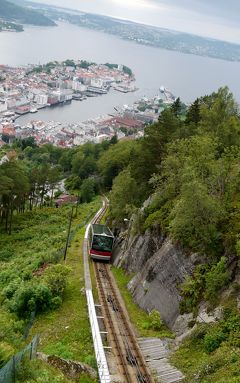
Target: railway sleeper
(142, 378)
(132, 360)
(103, 272)
(112, 302)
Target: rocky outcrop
(70, 368)
(160, 267)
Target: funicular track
(129, 359)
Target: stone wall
(159, 267)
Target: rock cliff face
(159, 267)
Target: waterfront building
(41, 99)
(3, 106)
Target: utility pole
(78, 202)
(68, 233)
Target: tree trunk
(10, 223)
(6, 219)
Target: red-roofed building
(9, 131)
(65, 198)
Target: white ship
(33, 110)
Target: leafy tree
(194, 219)
(88, 189)
(66, 159)
(219, 117)
(124, 196)
(14, 188)
(193, 114)
(115, 159)
(176, 107)
(73, 182)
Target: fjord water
(187, 76)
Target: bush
(154, 321)
(55, 277)
(199, 333)
(10, 328)
(91, 361)
(216, 279)
(210, 366)
(12, 287)
(192, 289)
(6, 351)
(6, 253)
(213, 339)
(56, 302)
(35, 371)
(30, 297)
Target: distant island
(13, 15)
(145, 34)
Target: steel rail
(138, 360)
(132, 353)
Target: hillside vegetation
(13, 12)
(188, 170)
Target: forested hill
(190, 167)
(13, 12)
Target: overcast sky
(212, 18)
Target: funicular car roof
(101, 230)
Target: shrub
(210, 366)
(35, 372)
(30, 297)
(55, 277)
(154, 321)
(199, 333)
(56, 302)
(91, 361)
(6, 351)
(6, 253)
(10, 328)
(216, 279)
(12, 287)
(192, 289)
(213, 339)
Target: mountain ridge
(10, 11)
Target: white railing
(103, 371)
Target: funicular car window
(102, 243)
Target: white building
(41, 99)
(22, 101)
(11, 103)
(3, 106)
(97, 82)
(78, 86)
(63, 94)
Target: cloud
(137, 4)
(212, 18)
(228, 10)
